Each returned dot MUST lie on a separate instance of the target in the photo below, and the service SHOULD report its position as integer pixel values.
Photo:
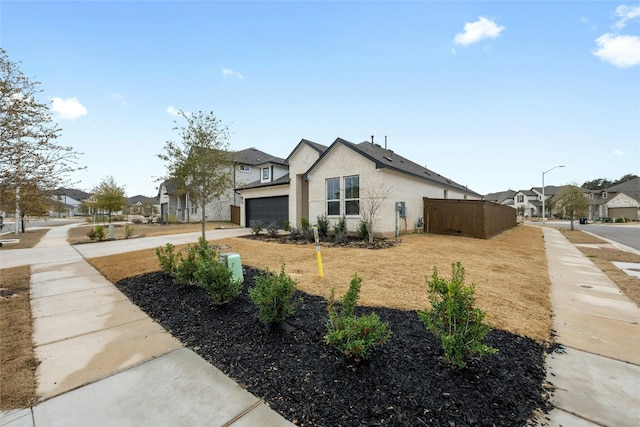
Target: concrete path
(104, 362)
(597, 373)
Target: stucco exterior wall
(342, 162)
(299, 163)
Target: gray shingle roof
(631, 188)
(253, 157)
(257, 184)
(387, 159)
(500, 196)
(74, 194)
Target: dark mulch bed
(299, 376)
(348, 242)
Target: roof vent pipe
(385, 142)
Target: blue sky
(489, 94)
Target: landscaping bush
(128, 231)
(363, 230)
(286, 226)
(340, 230)
(353, 335)
(168, 259)
(453, 318)
(96, 233)
(323, 226)
(273, 295)
(272, 229)
(304, 224)
(295, 233)
(217, 279)
(256, 226)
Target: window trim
(266, 174)
(332, 200)
(348, 200)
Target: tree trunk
(203, 222)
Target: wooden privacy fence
(471, 218)
(235, 214)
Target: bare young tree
(30, 154)
(201, 163)
(370, 202)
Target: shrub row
(452, 317)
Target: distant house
(142, 205)
(337, 181)
(528, 203)
(250, 165)
(618, 201)
(72, 201)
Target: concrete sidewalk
(104, 362)
(597, 373)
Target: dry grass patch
(509, 270)
(17, 359)
(28, 239)
(603, 258)
(79, 234)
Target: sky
(491, 94)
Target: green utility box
(234, 263)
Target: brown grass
(604, 257)
(17, 359)
(509, 270)
(79, 234)
(28, 239)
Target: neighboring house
(71, 199)
(141, 205)
(501, 197)
(250, 165)
(335, 181)
(618, 201)
(528, 203)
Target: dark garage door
(268, 209)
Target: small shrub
(304, 224)
(217, 279)
(96, 233)
(286, 226)
(453, 318)
(308, 235)
(273, 295)
(340, 237)
(128, 231)
(167, 258)
(353, 335)
(622, 220)
(256, 226)
(323, 226)
(295, 233)
(341, 225)
(272, 229)
(363, 230)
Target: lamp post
(543, 200)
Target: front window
(604, 194)
(333, 196)
(265, 173)
(520, 198)
(352, 195)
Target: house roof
(500, 196)
(74, 194)
(142, 199)
(170, 186)
(387, 159)
(549, 190)
(254, 157)
(631, 188)
(318, 147)
(257, 184)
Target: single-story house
(618, 201)
(343, 180)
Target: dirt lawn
(509, 271)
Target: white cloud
(621, 51)
(477, 31)
(229, 72)
(173, 110)
(626, 14)
(618, 153)
(121, 99)
(68, 108)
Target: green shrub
(323, 226)
(340, 230)
(217, 279)
(256, 226)
(96, 233)
(363, 230)
(295, 233)
(453, 318)
(273, 295)
(286, 226)
(304, 224)
(353, 335)
(168, 258)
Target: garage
(629, 213)
(267, 210)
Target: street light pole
(543, 200)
